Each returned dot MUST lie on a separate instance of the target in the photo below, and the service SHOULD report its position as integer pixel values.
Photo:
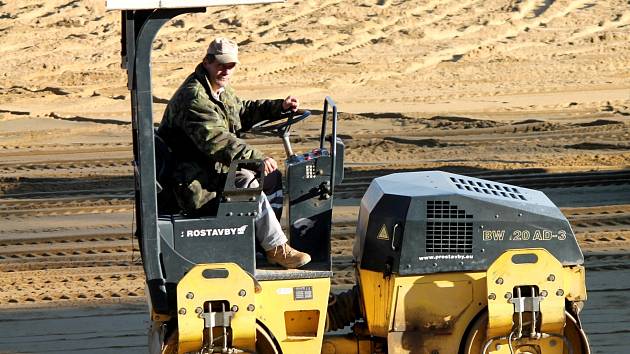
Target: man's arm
(254, 111)
(209, 133)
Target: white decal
(284, 291)
(538, 235)
(446, 256)
(493, 235)
(233, 231)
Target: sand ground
(519, 91)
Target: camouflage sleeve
(252, 112)
(210, 134)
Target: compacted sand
(533, 93)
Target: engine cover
(426, 222)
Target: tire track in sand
(510, 29)
(370, 31)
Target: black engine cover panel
(426, 222)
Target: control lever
(287, 143)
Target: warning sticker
(383, 235)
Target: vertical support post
(141, 28)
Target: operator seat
(184, 240)
(164, 166)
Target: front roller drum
(527, 291)
(574, 341)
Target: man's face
(218, 73)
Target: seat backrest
(164, 160)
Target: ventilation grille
(448, 236)
(489, 188)
(442, 209)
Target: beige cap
(224, 50)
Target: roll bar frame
(139, 28)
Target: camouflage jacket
(203, 134)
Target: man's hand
(290, 103)
(270, 165)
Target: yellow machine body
(436, 313)
(421, 314)
(340, 344)
(216, 283)
(442, 312)
(292, 312)
(555, 284)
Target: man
(201, 125)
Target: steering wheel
(281, 125)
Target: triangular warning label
(383, 235)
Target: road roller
(444, 263)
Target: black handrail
(328, 101)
